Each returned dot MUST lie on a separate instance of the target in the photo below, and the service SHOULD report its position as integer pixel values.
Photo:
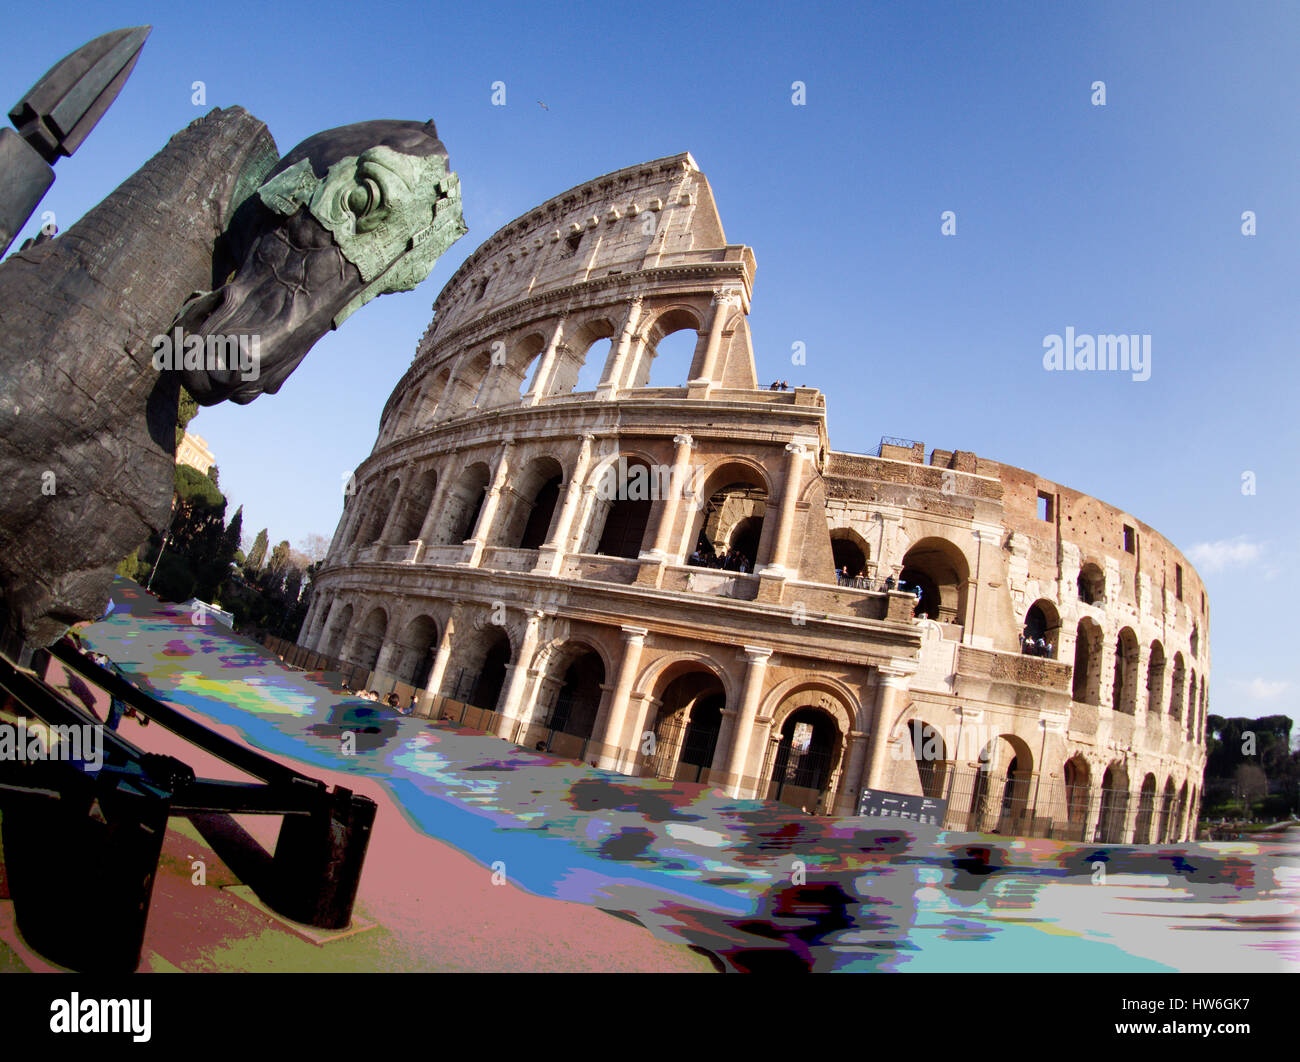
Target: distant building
(193, 451)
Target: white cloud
(1226, 553)
(1265, 690)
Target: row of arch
(500, 372)
(1004, 794)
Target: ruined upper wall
(656, 213)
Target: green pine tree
(257, 554)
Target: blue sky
(1122, 218)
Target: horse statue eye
(362, 198)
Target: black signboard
(902, 806)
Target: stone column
(851, 788)
(723, 301)
(487, 514)
(443, 656)
(546, 367)
(551, 555)
(609, 730)
(668, 508)
(508, 713)
(612, 379)
(892, 686)
(789, 498)
(730, 760)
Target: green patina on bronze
(392, 214)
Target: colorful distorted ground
(759, 885)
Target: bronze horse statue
(218, 265)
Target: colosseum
(587, 527)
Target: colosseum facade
(688, 581)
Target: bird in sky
(542, 105)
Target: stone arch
(466, 384)
(1125, 679)
(380, 506)
(413, 507)
(523, 359)
(576, 354)
(1156, 679)
(1180, 813)
(575, 676)
(1091, 584)
(1114, 804)
(417, 646)
(850, 553)
(1086, 687)
(1042, 620)
(806, 755)
(530, 504)
(687, 704)
(1165, 819)
(336, 629)
(661, 670)
(1076, 775)
(1000, 798)
(1146, 811)
(931, 757)
(942, 571)
(481, 663)
(625, 488)
(734, 491)
(1192, 706)
(368, 639)
(656, 362)
(461, 505)
(1176, 690)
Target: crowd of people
(733, 560)
(1031, 646)
(392, 700)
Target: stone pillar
(729, 761)
(890, 690)
(508, 712)
(384, 661)
(609, 730)
(487, 514)
(546, 367)
(723, 301)
(789, 497)
(614, 370)
(551, 555)
(443, 656)
(760, 737)
(668, 508)
(851, 786)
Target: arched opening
(669, 350)
(1180, 814)
(1176, 689)
(1145, 811)
(1166, 812)
(1124, 685)
(577, 701)
(518, 369)
(433, 398)
(1114, 805)
(594, 363)
(1087, 662)
(806, 756)
(1042, 630)
(728, 531)
(1155, 680)
(1000, 800)
(1191, 704)
(624, 495)
(687, 722)
(380, 506)
(479, 684)
(850, 554)
(370, 639)
(1077, 779)
(939, 570)
(931, 757)
(338, 629)
(414, 508)
(418, 645)
(1091, 584)
(533, 496)
(460, 507)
